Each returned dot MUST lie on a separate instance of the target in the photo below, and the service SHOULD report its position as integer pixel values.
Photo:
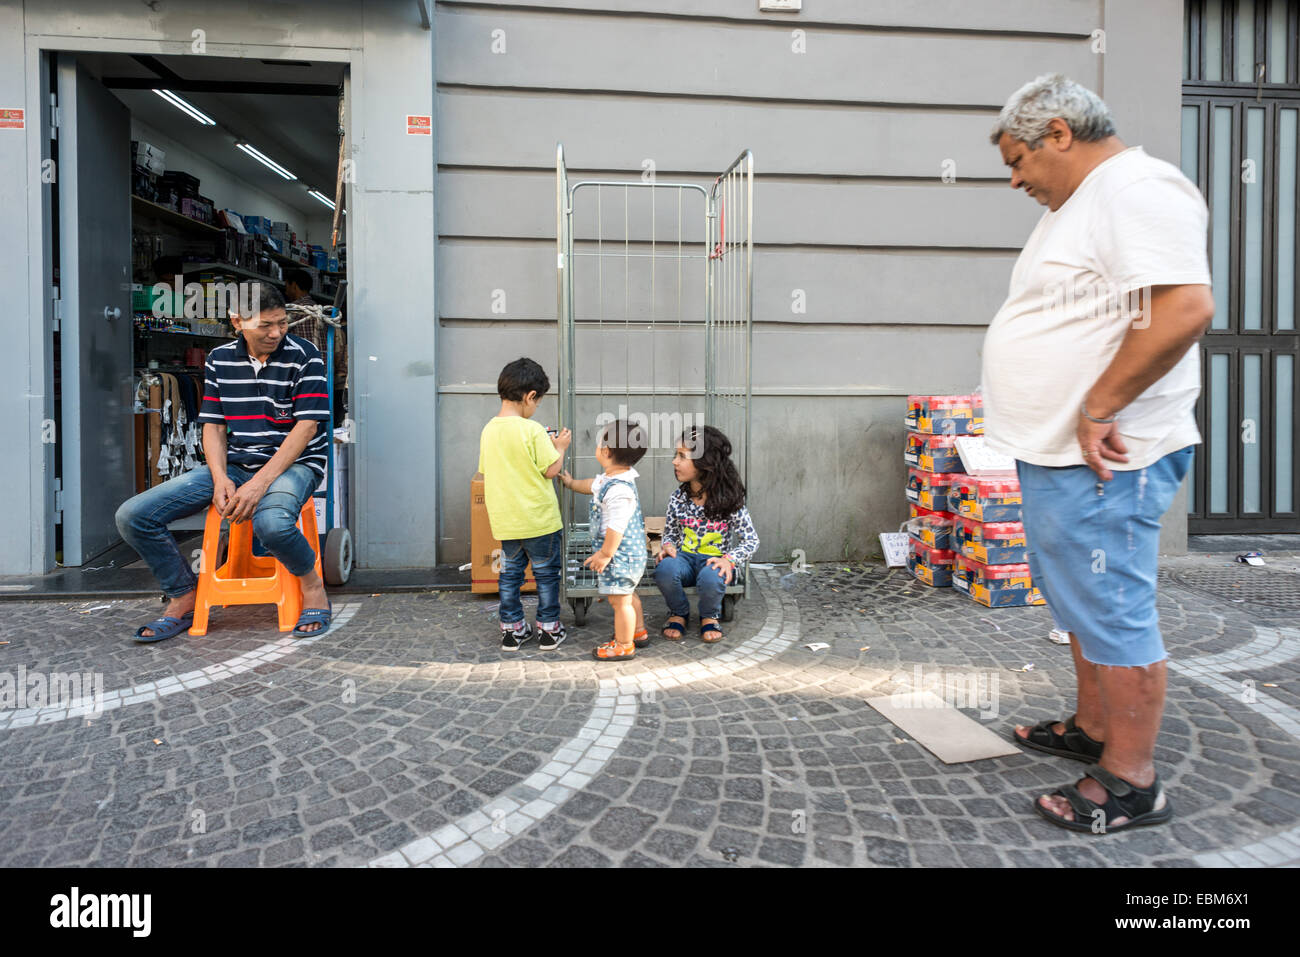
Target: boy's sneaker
(549, 638)
(513, 637)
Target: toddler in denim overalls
(617, 534)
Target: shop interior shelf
(144, 207)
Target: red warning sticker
(419, 125)
(11, 119)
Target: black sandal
(710, 633)
(673, 626)
(1142, 806)
(1074, 743)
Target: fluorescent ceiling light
(189, 109)
(320, 197)
(265, 160)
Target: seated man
(267, 390)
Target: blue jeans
(546, 552)
(142, 521)
(1094, 556)
(674, 575)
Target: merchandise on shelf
(147, 157)
(183, 183)
(200, 209)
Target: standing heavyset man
(263, 401)
(1090, 378)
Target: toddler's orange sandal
(641, 639)
(613, 651)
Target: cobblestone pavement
(404, 736)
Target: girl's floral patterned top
(688, 530)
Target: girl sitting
(707, 532)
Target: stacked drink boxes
(933, 424)
(988, 536)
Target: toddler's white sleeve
(619, 507)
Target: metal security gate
(654, 300)
(1240, 142)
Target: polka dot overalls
(625, 569)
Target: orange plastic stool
(247, 579)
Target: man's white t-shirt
(1134, 222)
(618, 505)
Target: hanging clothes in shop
(175, 444)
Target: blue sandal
(310, 615)
(165, 627)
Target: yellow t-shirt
(514, 453)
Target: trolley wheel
(728, 607)
(579, 606)
(336, 557)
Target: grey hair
(1051, 96)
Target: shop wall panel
(516, 129)
(574, 51)
(491, 203)
(495, 280)
(1050, 16)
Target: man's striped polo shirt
(262, 406)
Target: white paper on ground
(941, 729)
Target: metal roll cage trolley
(645, 328)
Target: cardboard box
(933, 566)
(485, 550)
(932, 453)
(985, 500)
(946, 414)
(934, 529)
(654, 537)
(929, 489)
(995, 586)
(990, 543)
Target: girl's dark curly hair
(724, 492)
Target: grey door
(1241, 145)
(95, 431)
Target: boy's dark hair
(520, 378)
(721, 483)
(626, 442)
(299, 277)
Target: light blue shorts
(1094, 556)
(620, 581)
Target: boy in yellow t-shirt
(518, 459)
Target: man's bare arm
(1174, 318)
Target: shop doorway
(189, 174)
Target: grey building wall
(901, 271)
